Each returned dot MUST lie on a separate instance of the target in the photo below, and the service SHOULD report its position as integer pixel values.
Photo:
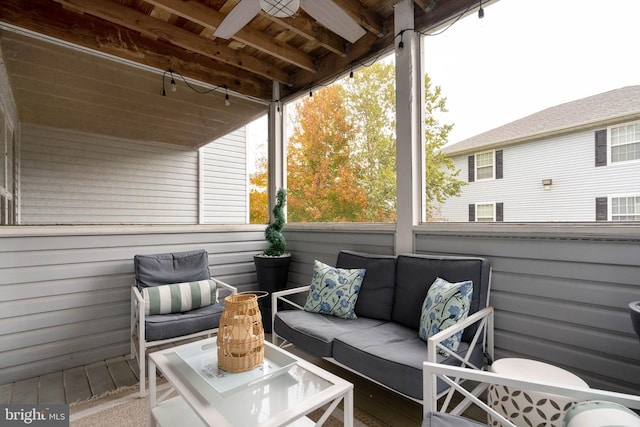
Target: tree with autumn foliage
(342, 154)
(323, 176)
(258, 207)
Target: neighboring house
(70, 177)
(578, 161)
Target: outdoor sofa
(382, 343)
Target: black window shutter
(601, 209)
(472, 168)
(498, 164)
(601, 147)
(472, 213)
(500, 212)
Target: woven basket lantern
(240, 335)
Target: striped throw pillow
(178, 297)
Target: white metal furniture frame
(454, 375)
(280, 400)
(139, 344)
(483, 318)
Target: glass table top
(256, 401)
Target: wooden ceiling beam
(152, 27)
(442, 13)
(50, 19)
(211, 19)
(369, 20)
(312, 31)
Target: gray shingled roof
(591, 111)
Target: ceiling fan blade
(239, 16)
(334, 18)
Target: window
(625, 142)
(486, 212)
(625, 208)
(484, 165)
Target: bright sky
(525, 56)
(528, 55)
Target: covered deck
(560, 291)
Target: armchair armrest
(222, 285)
(452, 374)
(280, 295)
(484, 316)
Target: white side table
(527, 408)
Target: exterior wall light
(546, 183)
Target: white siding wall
(65, 291)
(224, 180)
(568, 160)
(77, 178)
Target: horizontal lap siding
(224, 180)
(563, 301)
(65, 299)
(568, 162)
(76, 178)
(307, 245)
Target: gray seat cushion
(375, 299)
(164, 326)
(438, 419)
(393, 355)
(314, 333)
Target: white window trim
(610, 204)
(493, 165)
(493, 204)
(609, 156)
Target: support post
(277, 153)
(409, 152)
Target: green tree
(322, 180)
(441, 177)
(371, 106)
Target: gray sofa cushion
(416, 273)
(391, 354)
(438, 419)
(375, 299)
(163, 326)
(164, 269)
(314, 333)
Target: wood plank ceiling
(297, 52)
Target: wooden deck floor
(73, 385)
(81, 383)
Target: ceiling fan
(326, 12)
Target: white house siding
(568, 160)
(65, 291)
(77, 178)
(224, 180)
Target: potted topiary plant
(272, 266)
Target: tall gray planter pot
(273, 273)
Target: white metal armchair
(174, 298)
(445, 416)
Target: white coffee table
(281, 399)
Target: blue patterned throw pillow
(445, 305)
(334, 291)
